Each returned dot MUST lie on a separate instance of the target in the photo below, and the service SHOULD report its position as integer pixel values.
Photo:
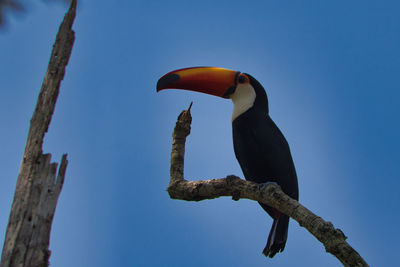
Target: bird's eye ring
(242, 79)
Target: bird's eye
(242, 79)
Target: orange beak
(209, 80)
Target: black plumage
(264, 156)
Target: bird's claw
(263, 185)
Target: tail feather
(277, 236)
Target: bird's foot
(231, 177)
(263, 185)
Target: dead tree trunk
(39, 185)
(333, 239)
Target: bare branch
(39, 185)
(333, 239)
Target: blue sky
(331, 72)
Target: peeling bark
(39, 185)
(333, 239)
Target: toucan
(260, 147)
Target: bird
(260, 147)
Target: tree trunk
(39, 185)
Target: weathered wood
(39, 185)
(333, 239)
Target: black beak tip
(166, 81)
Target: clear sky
(331, 72)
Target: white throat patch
(243, 98)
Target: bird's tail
(277, 236)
